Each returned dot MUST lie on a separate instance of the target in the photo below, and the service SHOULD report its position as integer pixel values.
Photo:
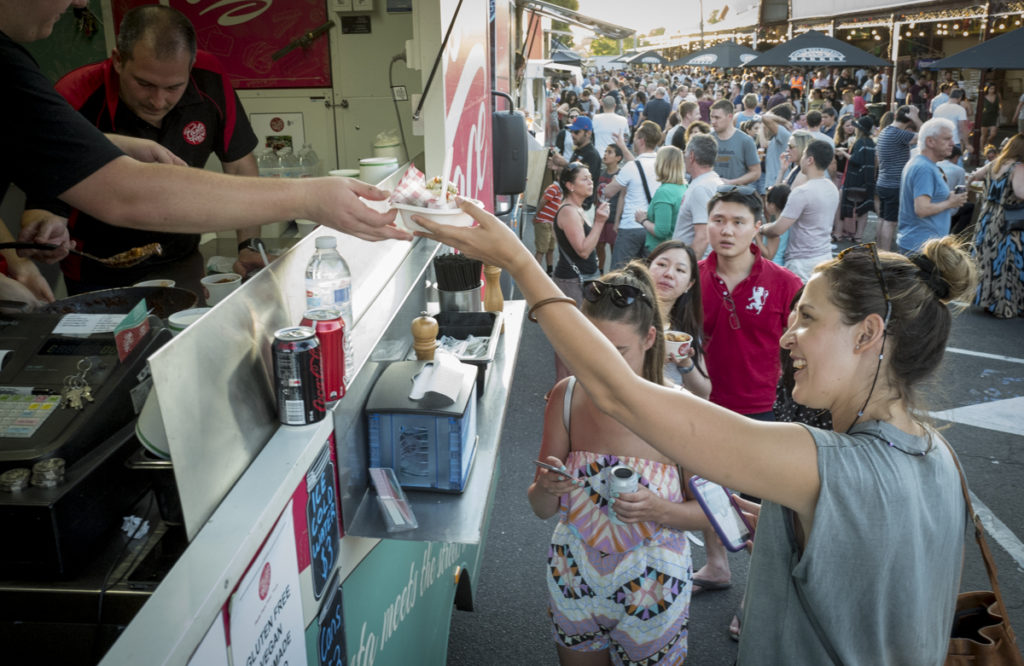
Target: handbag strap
(979, 536)
(833, 656)
(643, 179)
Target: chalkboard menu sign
(330, 641)
(322, 519)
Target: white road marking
(995, 357)
(1001, 415)
(996, 529)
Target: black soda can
(298, 376)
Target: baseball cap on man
(582, 123)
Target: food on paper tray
(434, 200)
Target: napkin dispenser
(429, 442)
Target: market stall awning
(724, 55)
(602, 28)
(645, 58)
(814, 49)
(566, 57)
(1002, 52)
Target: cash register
(64, 486)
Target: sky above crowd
(641, 15)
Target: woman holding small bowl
(673, 266)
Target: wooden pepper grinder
(494, 301)
(424, 336)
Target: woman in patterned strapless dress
(619, 571)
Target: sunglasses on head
(621, 295)
(744, 190)
(876, 262)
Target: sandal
(734, 624)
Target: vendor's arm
(145, 150)
(775, 461)
(248, 259)
(547, 486)
(128, 193)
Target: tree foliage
(562, 26)
(602, 46)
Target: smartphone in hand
(552, 468)
(723, 512)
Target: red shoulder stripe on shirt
(208, 61)
(78, 85)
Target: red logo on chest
(194, 133)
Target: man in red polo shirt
(746, 306)
(155, 86)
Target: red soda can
(330, 332)
(298, 376)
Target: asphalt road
(976, 399)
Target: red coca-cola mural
(244, 34)
(467, 106)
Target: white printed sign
(266, 610)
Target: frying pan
(164, 301)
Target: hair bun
(946, 267)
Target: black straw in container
(456, 272)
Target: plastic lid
(324, 242)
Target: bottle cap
(324, 242)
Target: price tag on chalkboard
(330, 641)
(322, 519)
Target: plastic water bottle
(329, 283)
(289, 162)
(309, 161)
(268, 163)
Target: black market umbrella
(1002, 52)
(816, 49)
(724, 55)
(645, 58)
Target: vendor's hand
(145, 150)
(249, 261)
(492, 241)
(751, 511)
(28, 275)
(641, 506)
(46, 228)
(602, 212)
(335, 202)
(12, 290)
(553, 483)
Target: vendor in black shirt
(582, 130)
(155, 86)
(57, 153)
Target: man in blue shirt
(926, 203)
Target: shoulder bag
(981, 629)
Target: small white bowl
(455, 217)
(149, 428)
(155, 283)
(179, 321)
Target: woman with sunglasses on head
(576, 238)
(859, 542)
(673, 267)
(606, 543)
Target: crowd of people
(724, 201)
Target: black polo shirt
(209, 118)
(49, 147)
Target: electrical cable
(437, 61)
(398, 115)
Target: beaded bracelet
(547, 301)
